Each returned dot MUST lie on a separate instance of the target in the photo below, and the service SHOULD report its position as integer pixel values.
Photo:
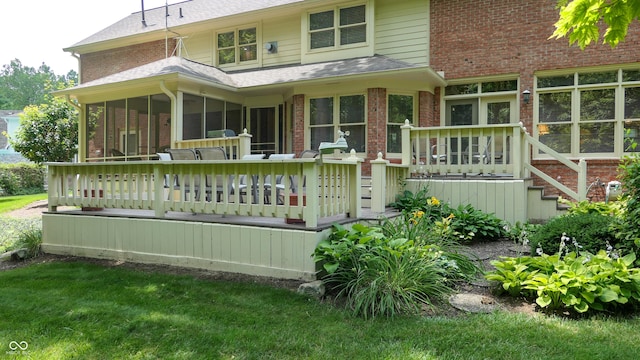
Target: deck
(204, 221)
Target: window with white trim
(338, 27)
(237, 46)
(399, 109)
(347, 113)
(592, 113)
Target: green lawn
(10, 203)
(78, 310)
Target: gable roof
(183, 13)
(376, 65)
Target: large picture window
(341, 26)
(589, 113)
(237, 46)
(327, 115)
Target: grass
(69, 310)
(10, 203)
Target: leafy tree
(21, 85)
(581, 19)
(48, 132)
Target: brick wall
(427, 108)
(298, 123)
(473, 38)
(376, 126)
(102, 63)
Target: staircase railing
(503, 149)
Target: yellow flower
(435, 201)
(451, 216)
(418, 214)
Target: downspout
(82, 130)
(79, 67)
(174, 114)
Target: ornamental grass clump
(381, 275)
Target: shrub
(591, 230)
(467, 224)
(30, 240)
(479, 225)
(630, 178)
(380, 275)
(21, 179)
(12, 230)
(613, 208)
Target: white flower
(539, 251)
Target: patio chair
(242, 182)
(280, 186)
(183, 155)
(309, 154)
(162, 156)
(117, 153)
(497, 157)
(439, 154)
(212, 153)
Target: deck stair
(542, 207)
(366, 191)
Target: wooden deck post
(406, 143)
(378, 183)
(355, 186)
(518, 152)
(158, 189)
(245, 144)
(311, 210)
(582, 179)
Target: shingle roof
(193, 11)
(255, 78)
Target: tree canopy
(581, 20)
(47, 132)
(21, 86)
(49, 126)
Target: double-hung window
(338, 27)
(400, 108)
(327, 115)
(589, 113)
(237, 46)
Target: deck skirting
(262, 251)
(506, 198)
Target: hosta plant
(575, 283)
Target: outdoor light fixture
(271, 47)
(526, 96)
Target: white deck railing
(225, 187)
(234, 146)
(476, 150)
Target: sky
(36, 31)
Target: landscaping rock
(18, 254)
(474, 303)
(314, 289)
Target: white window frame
(575, 92)
(237, 46)
(337, 28)
(337, 125)
(413, 121)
